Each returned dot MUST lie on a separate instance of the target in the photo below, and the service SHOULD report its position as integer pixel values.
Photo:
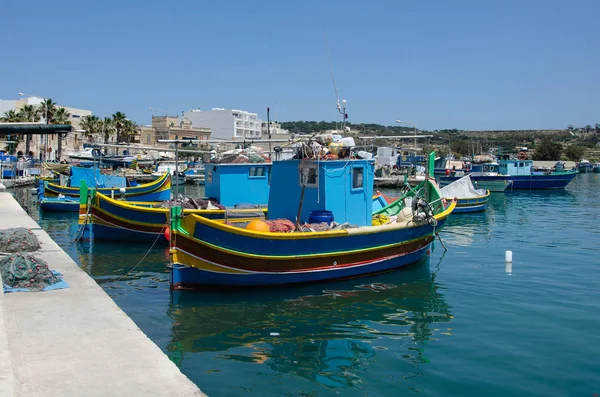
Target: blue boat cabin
(344, 187)
(516, 167)
(232, 184)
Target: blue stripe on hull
(184, 277)
(59, 207)
(252, 245)
(472, 208)
(542, 181)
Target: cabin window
(256, 172)
(521, 164)
(309, 175)
(358, 181)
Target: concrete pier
(75, 341)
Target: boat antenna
(335, 91)
(341, 108)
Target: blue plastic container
(319, 216)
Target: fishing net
(17, 240)
(190, 203)
(26, 271)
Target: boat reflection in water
(325, 333)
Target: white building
(275, 128)
(227, 123)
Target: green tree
(129, 128)
(574, 153)
(118, 120)
(108, 128)
(29, 113)
(61, 116)
(11, 117)
(548, 150)
(92, 125)
(47, 109)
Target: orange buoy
(258, 226)
(168, 233)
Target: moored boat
(524, 177)
(58, 204)
(483, 176)
(468, 199)
(217, 253)
(584, 166)
(596, 168)
(112, 185)
(227, 184)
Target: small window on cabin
(521, 164)
(256, 172)
(358, 178)
(308, 176)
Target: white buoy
(508, 267)
(508, 256)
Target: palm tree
(91, 124)
(29, 113)
(119, 120)
(11, 117)
(108, 128)
(61, 117)
(47, 110)
(129, 128)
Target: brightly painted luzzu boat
(157, 190)
(208, 252)
(468, 199)
(110, 219)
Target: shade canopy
(34, 129)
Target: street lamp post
(45, 120)
(414, 128)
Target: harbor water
(463, 322)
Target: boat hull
(596, 169)
(546, 181)
(58, 205)
(474, 204)
(216, 255)
(158, 190)
(116, 220)
(187, 277)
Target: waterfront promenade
(75, 341)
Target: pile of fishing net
(18, 239)
(324, 226)
(191, 204)
(281, 225)
(26, 271)
(252, 154)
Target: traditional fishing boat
(217, 253)
(524, 177)
(483, 176)
(585, 166)
(241, 185)
(468, 199)
(111, 185)
(596, 168)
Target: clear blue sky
(443, 64)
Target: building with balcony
(227, 124)
(274, 128)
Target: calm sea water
(459, 323)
